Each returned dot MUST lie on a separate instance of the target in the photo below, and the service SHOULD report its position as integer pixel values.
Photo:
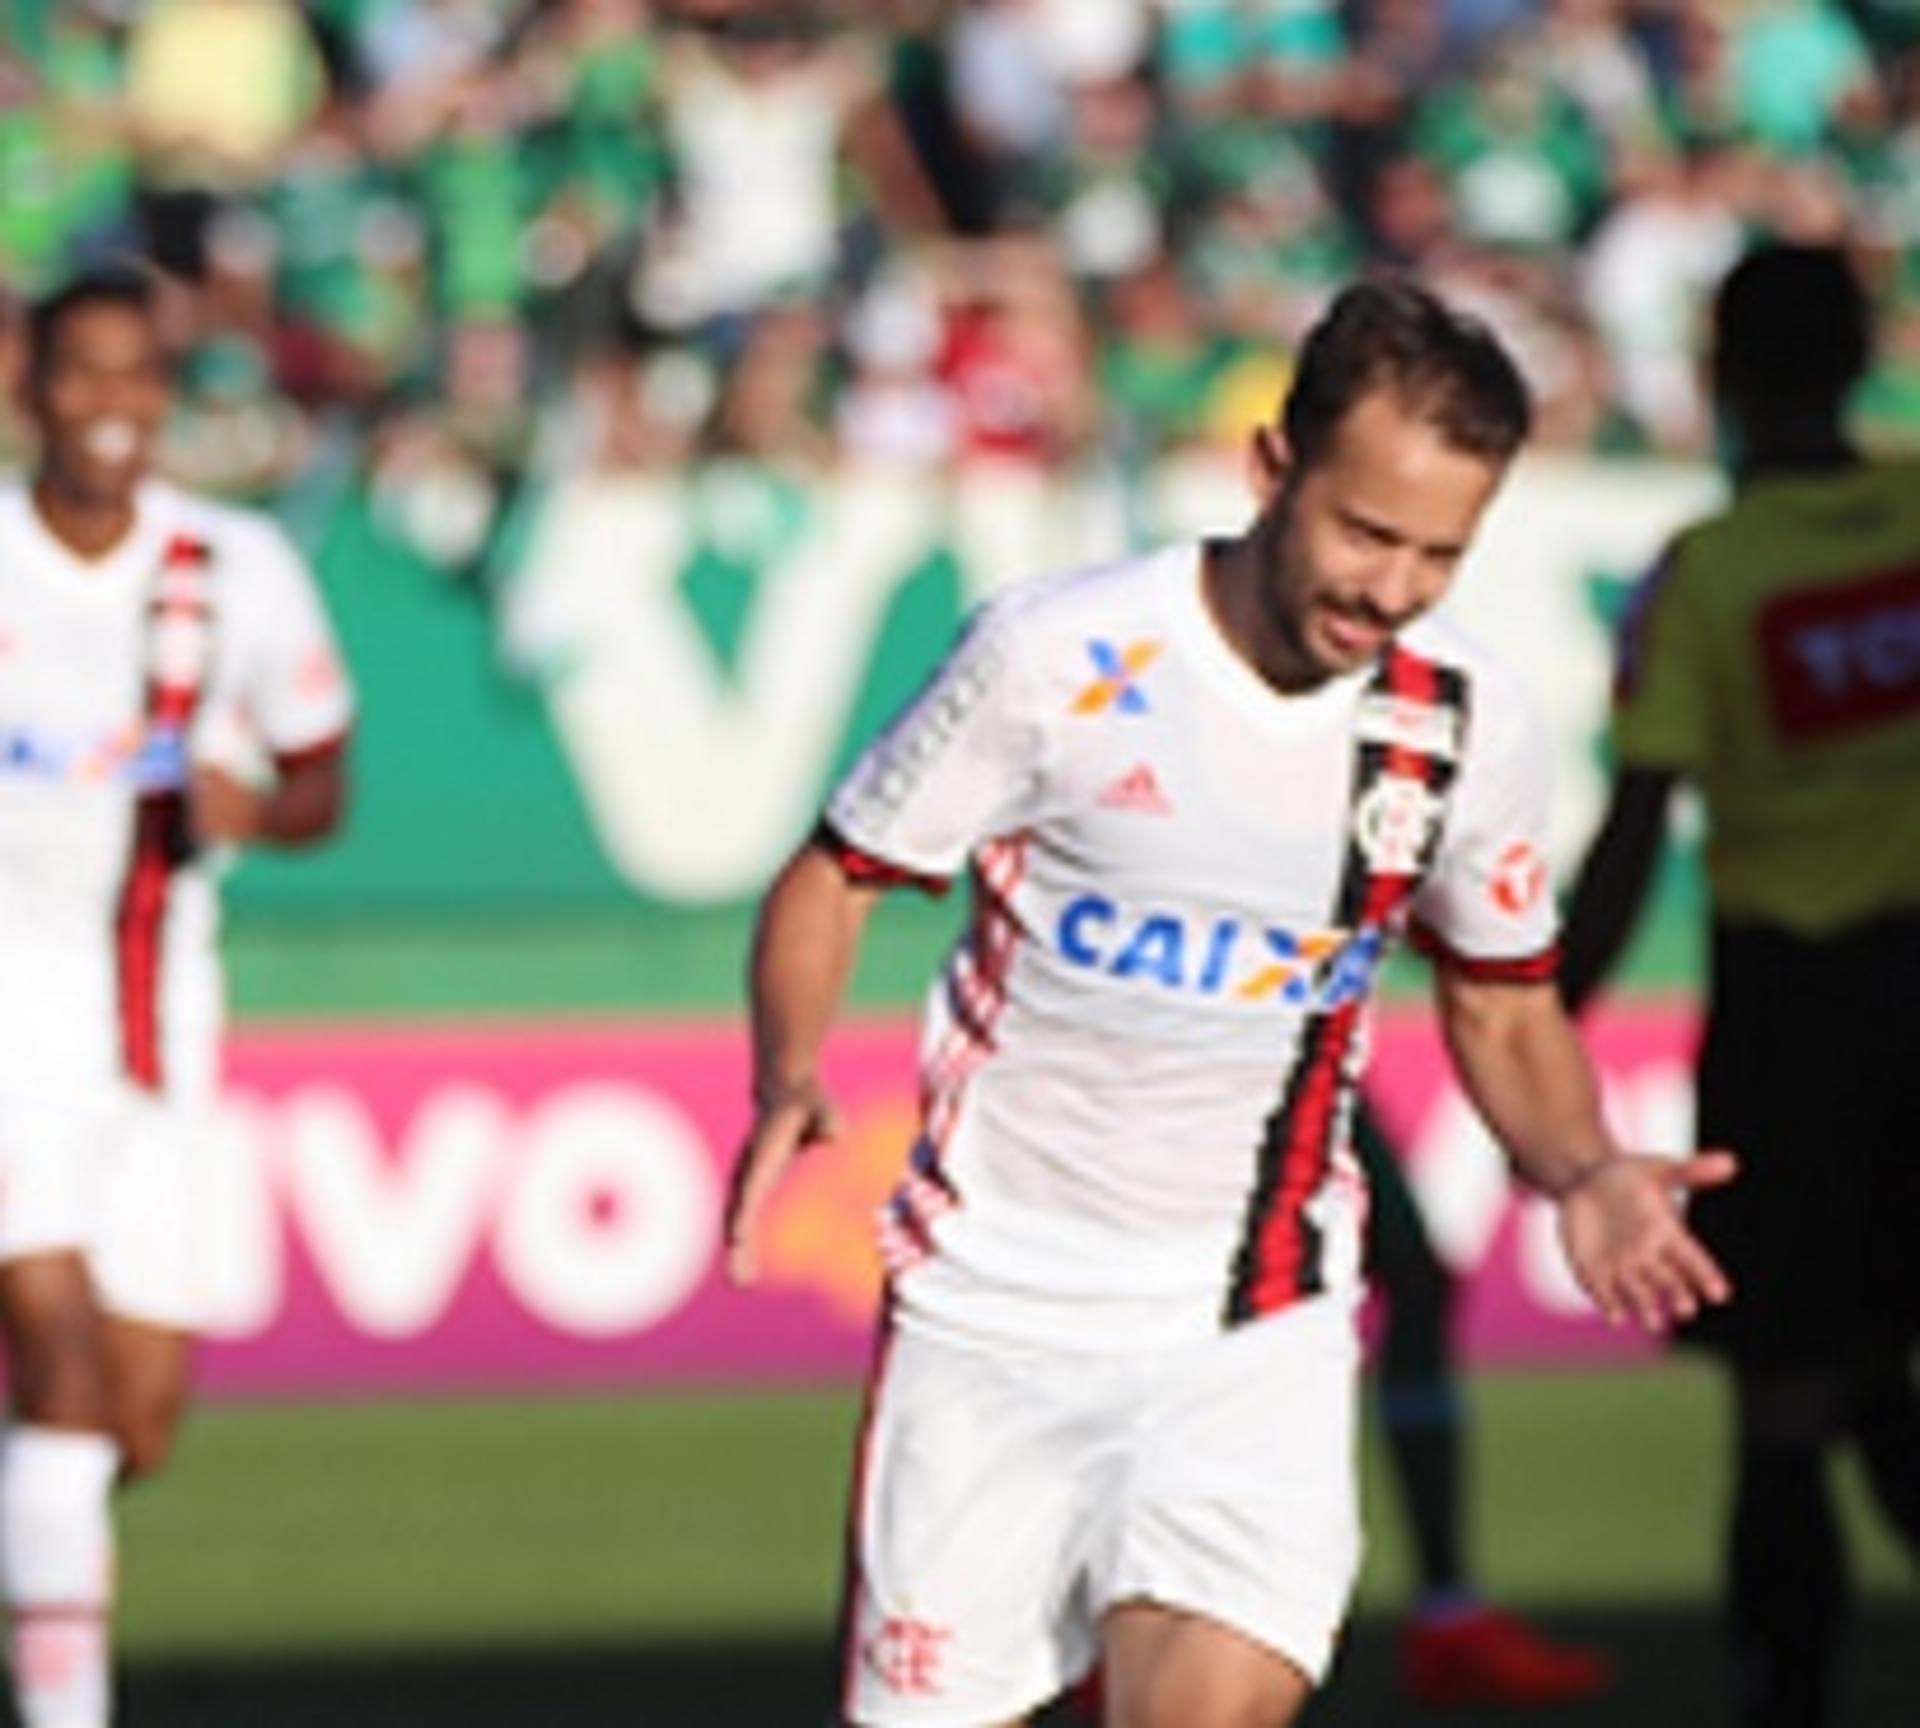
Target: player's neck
(90, 528)
(1803, 434)
(1231, 583)
(1780, 457)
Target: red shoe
(1482, 1656)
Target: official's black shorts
(1810, 1072)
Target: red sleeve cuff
(326, 749)
(867, 871)
(1538, 968)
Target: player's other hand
(1627, 1240)
(788, 1116)
(225, 811)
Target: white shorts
(1004, 1501)
(104, 1169)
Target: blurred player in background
(1202, 791)
(1772, 660)
(1457, 1650)
(154, 648)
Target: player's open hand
(788, 1117)
(1627, 1240)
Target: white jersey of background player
(79, 758)
(169, 687)
(1201, 792)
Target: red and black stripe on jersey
(867, 869)
(179, 653)
(976, 992)
(1279, 1257)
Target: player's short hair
(1391, 333)
(120, 285)
(1791, 325)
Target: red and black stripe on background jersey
(162, 832)
(1280, 1255)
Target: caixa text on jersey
(1227, 957)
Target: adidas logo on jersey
(1137, 790)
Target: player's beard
(1284, 590)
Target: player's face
(1366, 539)
(99, 394)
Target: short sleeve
(960, 764)
(280, 664)
(1660, 697)
(1486, 906)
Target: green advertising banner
(574, 774)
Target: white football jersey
(108, 921)
(1139, 1060)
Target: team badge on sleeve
(1519, 879)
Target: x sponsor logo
(1117, 685)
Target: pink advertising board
(515, 1207)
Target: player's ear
(1269, 463)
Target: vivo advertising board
(482, 1207)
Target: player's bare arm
(302, 805)
(803, 951)
(1620, 1212)
(1612, 884)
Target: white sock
(56, 1570)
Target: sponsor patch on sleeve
(1843, 659)
(1519, 879)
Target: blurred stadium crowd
(437, 243)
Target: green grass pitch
(673, 1559)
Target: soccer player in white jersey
(1202, 792)
(156, 650)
